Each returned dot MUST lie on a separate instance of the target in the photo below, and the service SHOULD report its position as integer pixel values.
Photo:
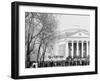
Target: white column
(87, 49)
(77, 54)
(67, 49)
(72, 50)
(82, 48)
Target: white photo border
(55, 70)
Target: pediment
(80, 34)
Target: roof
(72, 33)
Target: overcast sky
(73, 21)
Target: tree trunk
(39, 51)
(28, 57)
(27, 54)
(44, 52)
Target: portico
(78, 45)
(77, 48)
(72, 44)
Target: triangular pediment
(80, 34)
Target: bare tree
(47, 35)
(32, 30)
(39, 30)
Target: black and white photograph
(51, 40)
(56, 40)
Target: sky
(66, 22)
